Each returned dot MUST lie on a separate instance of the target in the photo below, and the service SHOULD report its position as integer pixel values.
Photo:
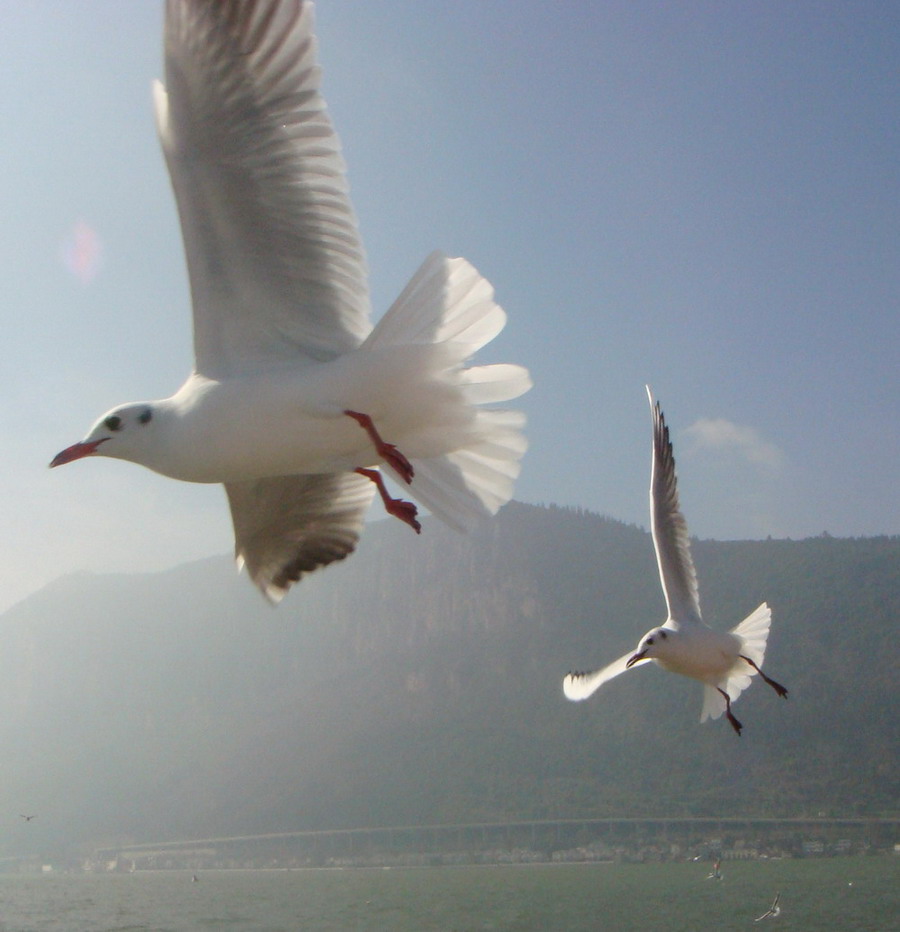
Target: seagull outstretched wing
(290, 525)
(670, 533)
(275, 261)
(578, 686)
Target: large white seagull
(296, 402)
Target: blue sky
(702, 196)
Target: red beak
(77, 451)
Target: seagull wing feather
(670, 533)
(290, 525)
(578, 686)
(276, 266)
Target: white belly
(703, 654)
(293, 422)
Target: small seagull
(715, 873)
(296, 401)
(723, 661)
(773, 911)
(27, 818)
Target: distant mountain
(419, 682)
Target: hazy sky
(703, 196)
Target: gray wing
(578, 686)
(275, 261)
(290, 525)
(670, 533)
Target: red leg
(387, 451)
(405, 511)
(781, 690)
(735, 724)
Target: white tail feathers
(753, 632)
(713, 704)
(448, 303)
(460, 487)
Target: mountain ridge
(419, 682)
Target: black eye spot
(145, 416)
(649, 641)
(663, 635)
(113, 422)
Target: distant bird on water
(723, 661)
(773, 911)
(296, 400)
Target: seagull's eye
(649, 641)
(113, 422)
(145, 416)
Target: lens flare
(82, 252)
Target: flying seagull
(296, 402)
(722, 661)
(27, 818)
(773, 911)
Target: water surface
(848, 894)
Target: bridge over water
(539, 835)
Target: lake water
(847, 894)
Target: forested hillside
(420, 682)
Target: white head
(655, 643)
(127, 433)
